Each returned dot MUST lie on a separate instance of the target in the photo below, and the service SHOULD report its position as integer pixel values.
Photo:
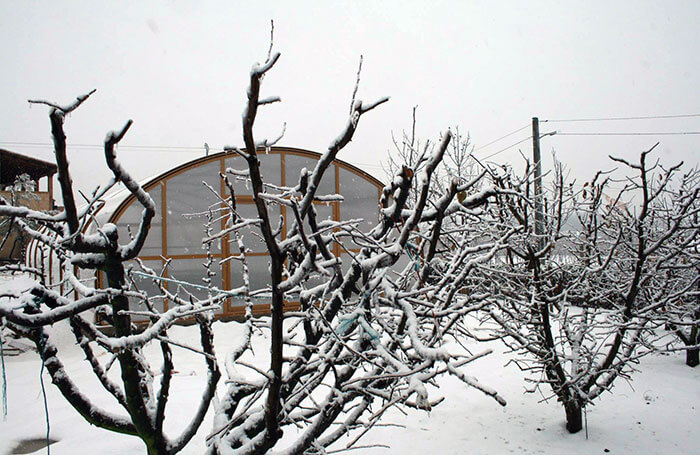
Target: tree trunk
(574, 420)
(692, 357)
(131, 371)
(691, 354)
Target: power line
(643, 133)
(506, 148)
(100, 146)
(502, 137)
(154, 148)
(604, 119)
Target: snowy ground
(659, 412)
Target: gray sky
(180, 71)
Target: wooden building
(12, 166)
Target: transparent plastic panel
(406, 261)
(188, 201)
(130, 220)
(324, 212)
(192, 272)
(361, 199)
(295, 163)
(259, 275)
(252, 238)
(147, 285)
(270, 169)
(347, 261)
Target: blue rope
(410, 248)
(345, 323)
(4, 379)
(42, 344)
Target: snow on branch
(581, 310)
(80, 257)
(65, 109)
(366, 330)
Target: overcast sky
(180, 71)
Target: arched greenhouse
(183, 196)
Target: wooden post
(539, 205)
(49, 188)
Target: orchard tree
(371, 332)
(32, 313)
(681, 271)
(579, 301)
(458, 162)
(373, 326)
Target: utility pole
(539, 205)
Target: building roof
(13, 164)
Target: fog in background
(180, 71)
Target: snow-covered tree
(374, 327)
(410, 151)
(32, 313)
(679, 273)
(580, 302)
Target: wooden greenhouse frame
(231, 310)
